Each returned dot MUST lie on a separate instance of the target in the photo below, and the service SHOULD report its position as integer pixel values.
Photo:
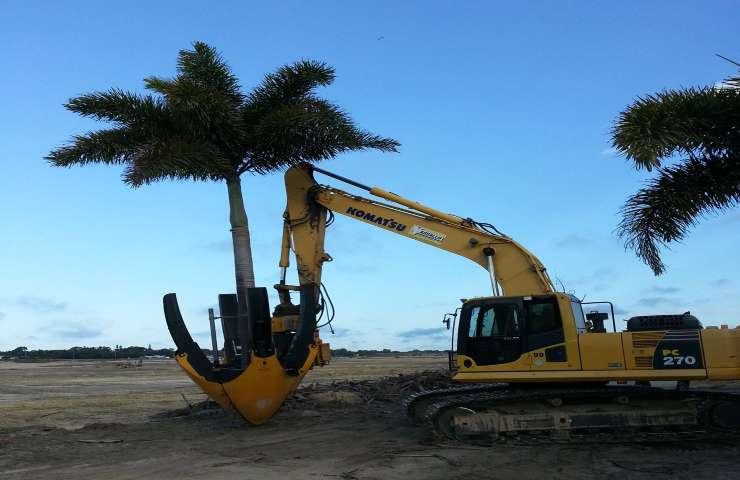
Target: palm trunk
(243, 266)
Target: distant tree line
(118, 351)
(91, 353)
(343, 352)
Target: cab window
(473, 328)
(542, 317)
(499, 320)
(544, 325)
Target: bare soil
(113, 420)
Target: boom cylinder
(489, 252)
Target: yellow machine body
(516, 276)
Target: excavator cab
(499, 330)
(548, 338)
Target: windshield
(578, 316)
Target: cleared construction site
(379, 240)
(106, 419)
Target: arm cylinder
(419, 207)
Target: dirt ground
(74, 419)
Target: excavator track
(502, 413)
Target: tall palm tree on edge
(199, 125)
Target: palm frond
(175, 158)
(671, 204)
(204, 65)
(118, 106)
(112, 146)
(288, 84)
(208, 108)
(309, 131)
(732, 82)
(681, 121)
(203, 112)
(163, 86)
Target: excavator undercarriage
(533, 413)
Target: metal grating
(646, 340)
(644, 362)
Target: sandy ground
(99, 420)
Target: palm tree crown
(692, 138)
(199, 125)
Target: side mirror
(446, 319)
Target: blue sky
(503, 110)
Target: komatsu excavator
(535, 362)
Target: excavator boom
(514, 269)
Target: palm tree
(692, 138)
(199, 125)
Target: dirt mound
(206, 407)
(394, 388)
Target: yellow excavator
(532, 361)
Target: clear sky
(503, 110)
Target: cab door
(544, 323)
(490, 332)
(551, 333)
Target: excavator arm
(512, 268)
